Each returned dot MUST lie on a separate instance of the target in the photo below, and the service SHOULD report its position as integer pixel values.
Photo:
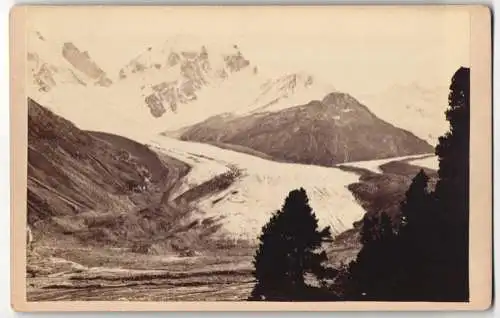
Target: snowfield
(374, 165)
(250, 201)
(245, 91)
(122, 105)
(429, 162)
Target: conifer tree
(390, 264)
(289, 248)
(416, 203)
(452, 193)
(415, 242)
(370, 276)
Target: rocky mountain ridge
(52, 64)
(324, 132)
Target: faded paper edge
(480, 258)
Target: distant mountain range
(215, 94)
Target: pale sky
(351, 48)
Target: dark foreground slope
(97, 189)
(335, 130)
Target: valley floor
(86, 274)
(107, 274)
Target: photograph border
(481, 212)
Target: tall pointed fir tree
(416, 202)
(370, 276)
(417, 232)
(289, 248)
(452, 193)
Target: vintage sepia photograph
(248, 154)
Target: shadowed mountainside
(99, 206)
(335, 130)
(99, 188)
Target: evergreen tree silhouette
(424, 258)
(371, 275)
(289, 248)
(452, 193)
(434, 237)
(392, 264)
(416, 238)
(416, 202)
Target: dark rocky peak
(39, 36)
(173, 59)
(83, 63)
(236, 62)
(339, 99)
(189, 55)
(70, 47)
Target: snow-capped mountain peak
(290, 89)
(186, 80)
(51, 63)
(175, 72)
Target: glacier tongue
(249, 202)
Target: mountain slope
(96, 189)
(335, 130)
